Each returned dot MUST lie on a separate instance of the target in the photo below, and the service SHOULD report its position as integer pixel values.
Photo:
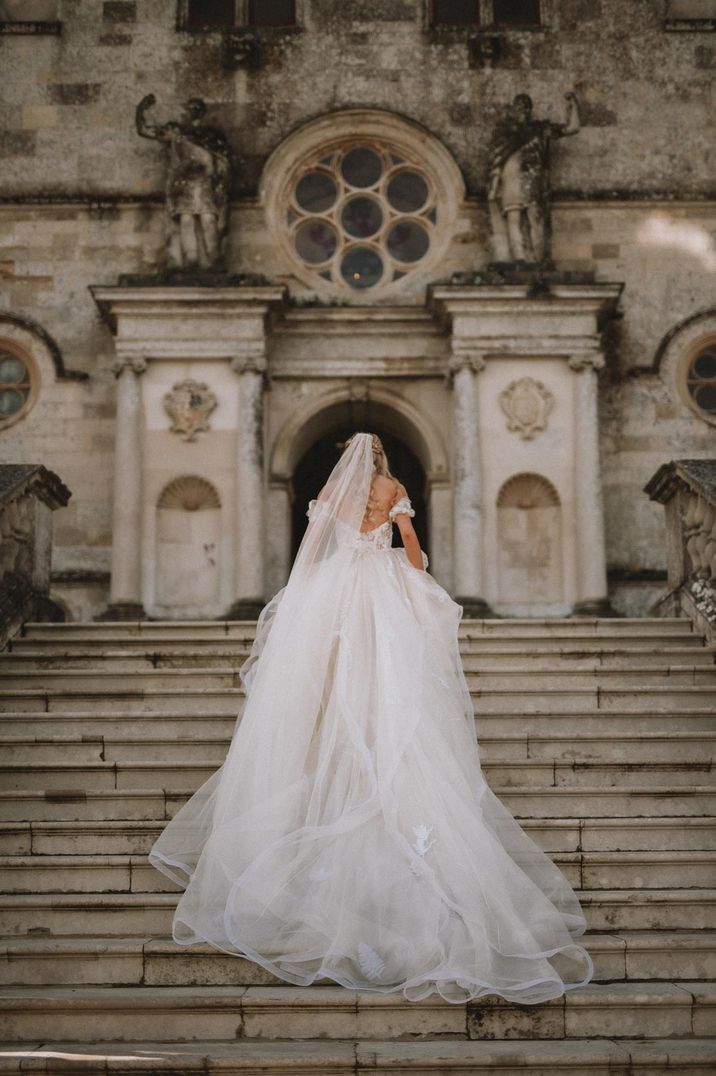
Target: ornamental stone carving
(197, 185)
(518, 186)
(465, 360)
(588, 361)
(527, 405)
(189, 405)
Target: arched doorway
(318, 461)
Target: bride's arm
(407, 532)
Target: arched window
(18, 383)
(701, 380)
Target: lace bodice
(378, 538)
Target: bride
(349, 834)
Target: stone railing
(687, 489)
(29, 494)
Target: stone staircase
(599, 736)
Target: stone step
(151, 961)
(504, 699)
(695, 748)
(439, 1057)
(529, 627)
(151, 913)
(490, 723)
(157, 634)
(89, 723)
(99, 681)
(132, 837)
(76, 802)
(283, 1012)
(531, 773)
(133, 874)
(590, 656)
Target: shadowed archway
(319, 459)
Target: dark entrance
(318, 462)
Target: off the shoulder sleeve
(403, 507)
(316, 508)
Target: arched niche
(188, 548)
(529, 543)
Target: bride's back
(382, 496)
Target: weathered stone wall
(635, 198)
(646, 98)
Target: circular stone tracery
(361, 215)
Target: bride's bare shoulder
(399, 490)
(383, 486)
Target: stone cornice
(400, 366)
(180, 301)
(449, 300)
(18, 480)
(697, 474)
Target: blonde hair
(380, 460)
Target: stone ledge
(32, 27)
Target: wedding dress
(350, 835)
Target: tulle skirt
(350, 835)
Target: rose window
(361, 216)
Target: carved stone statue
(197, 186)
(519, 181)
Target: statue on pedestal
(519, 181)
(197, 187)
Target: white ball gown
(350, 835)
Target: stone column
(126, 585)
(589, 508)
(250, 539)
(467, 500)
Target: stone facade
(634, 207)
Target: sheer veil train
(349, 834)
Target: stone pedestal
(188, 537)
(528, 514)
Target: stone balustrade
(687, 489)
(29, 494)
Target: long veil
(334, 520)
(350, 834)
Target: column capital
(250, 362)
(593, 360)
(466, 359)
(136, 363)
